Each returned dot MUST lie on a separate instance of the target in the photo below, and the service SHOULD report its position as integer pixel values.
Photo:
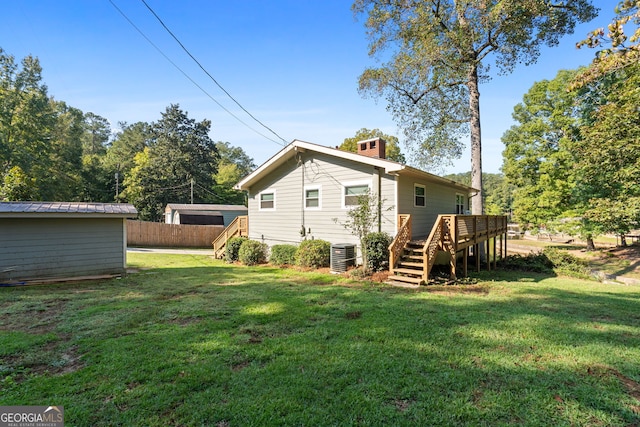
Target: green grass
(189, 341)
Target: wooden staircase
(238, 227)
(410, 266)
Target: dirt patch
(632, 386)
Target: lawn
(190, 341)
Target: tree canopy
(437, 52)
(52, 151)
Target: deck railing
(450, 233)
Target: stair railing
(238, 227)
(403, 236)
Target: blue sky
(294, 64)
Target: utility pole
(191, 190)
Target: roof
(297, 146)
(205, 207)
(66, 209)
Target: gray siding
(327, 173)
(41, 248)
(440, 199)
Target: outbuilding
(202, 214)
(44, 241)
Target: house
(305, 191)
(44, 241)
(202, 214)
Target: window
(420, 195)
(351, 193)
(460, 203)
(268, 200)
(312, 198)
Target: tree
(497, 191)
(127, 143)
(608, 155)
(97, 134)
(180, 156)
(362, 218)
(26, 122)
(392, 149)
(440, 54)
(233, 165)
(619, 52)
(537, 156)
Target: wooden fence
(141, 233)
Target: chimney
(374, 147)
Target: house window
(312, 198)
(268, 200)
(420, 195)
(460, 204)
(352, 192)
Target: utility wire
(210, 76)
(186, 75)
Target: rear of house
(53, 240)
(306, 190)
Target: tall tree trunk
(476, 139)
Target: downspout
(302, 227)
(379, 204)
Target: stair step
(412, 257)
(404, 279)
(410, 264)
(410, 271)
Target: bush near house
(252, 252)
(283, 254)
(232, 248)
(313, 253)
(377, 247)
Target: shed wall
(44, 248)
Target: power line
(186, 75)
(210, 76)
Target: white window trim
(353, 184)
(304, 195)
(414, 195)
(267, 191)
(464, 203)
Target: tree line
(573, 155)
(51, 151)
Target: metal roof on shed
(22, 209)
(205, 207)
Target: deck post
(465, 260)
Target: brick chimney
(374, 147)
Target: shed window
(420, 193)
(352, 192)
(312, 198)
(460, 204)
(268, 200)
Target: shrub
(232, 248)
(252, 252)
(283, 254)
(376, 245)
(566, 264)
(313, 253)
(551, 260)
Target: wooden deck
(411, 262)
